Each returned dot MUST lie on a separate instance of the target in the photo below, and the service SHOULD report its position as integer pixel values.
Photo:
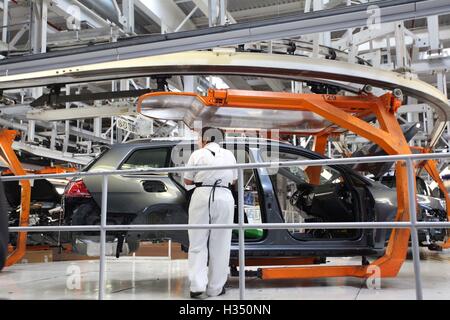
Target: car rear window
(146, 159)
(91, 164)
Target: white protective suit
(209, 250)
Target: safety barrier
(413, 224)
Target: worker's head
(210, 134)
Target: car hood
(387, 197)
(386, 201)
(427, 202)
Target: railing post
(414, 234)
(101, 283)
(241, 234)
(169, 249)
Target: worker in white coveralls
(211, 203)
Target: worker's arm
(235, 172)
(189, 176)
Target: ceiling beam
(203, 6)
(165, 13)
(64, 8)
(260, 12)
(431, 65)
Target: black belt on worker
(213, 190)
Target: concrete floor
(160, 278)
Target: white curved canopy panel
(241, 63)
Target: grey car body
(161, 199)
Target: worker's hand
(188, 182)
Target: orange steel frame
(347, 112)
(8, 156)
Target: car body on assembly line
(272, 195)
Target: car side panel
(278, 242)
(126, 193)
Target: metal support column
(38, 33)
(241, 234)
(66, 125)
(128, 15)
(103, 219)
(433, 32)
(222, 12)
(39, 26)
(401, 52)
(97, 126)
(5, 21)
(212, 12)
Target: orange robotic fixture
(9, 157)
(342, 113)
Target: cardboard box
(92, 248)
(37, 256)
(161, 249)
(69, 256)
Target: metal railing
(413, 224)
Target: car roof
(124, 148)
(167, 142)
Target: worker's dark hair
(210, 134)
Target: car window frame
(95, 160)
(132, 151)
(172, 165)
(347, 173)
